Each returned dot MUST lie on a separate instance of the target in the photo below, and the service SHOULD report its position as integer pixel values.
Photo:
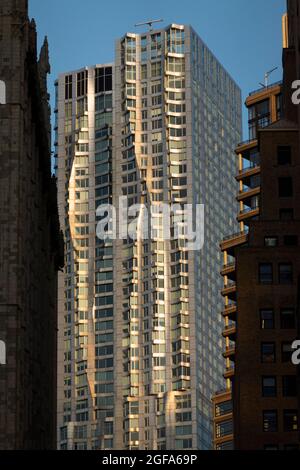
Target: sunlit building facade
(140, 332)
(85, 347)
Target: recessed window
(285, 273)
(286, 352)
(265, 273)
(284, 155)
(269, 387)
(268, 353)
(287, 319)
(290, 420)
(290, 240)
(224, 428)
(267, 319)
(286, 214)
(285, 187)
(289, 386)
(223, 408)
(270, 421)
(271, 242)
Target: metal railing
(265, 88)
(235, 235)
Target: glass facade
(140, 352)
(86, 306)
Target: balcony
(246, 173)
(229, 352)
(248, 213)
(228, 270)
(248, 193)
(229, 373)
(232, 241)
(229, 291)
(245, 145)
(230, 332)
(230, 311)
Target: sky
(244, 35)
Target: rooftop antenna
(267, 76)
(149, 23)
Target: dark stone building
(262, 273)
(30, 241)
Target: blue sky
(244, 35)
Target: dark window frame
(285, 187)
(261, 275)
(261, 312)
(284, 155)
(266, 389)
(285, 278)
(275, 413)
(262, 354)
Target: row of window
(290, 421)
(270, 386)
(268, 352)
(287, 319)
(285, 273)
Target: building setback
(30, 243)
(139, 348)
(261, 272)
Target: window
(271, 242)
(284, 155)
(285, 187)
(225, 446)
(286, 214)
(223, 408)
(290, 420)
(289, 386)
(285, 273)
(103, 79)
(267, 319)
(271, 447)
(224, 428)
(269, 387)
(268, 353)
(287, 319)
(82, 83)
(265, 273)
(290, 240)
(286, 352)
(270, 421)
(68, 87)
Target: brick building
(261, 275)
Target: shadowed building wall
(29, 239)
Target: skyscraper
(139, 325)
(85, 294)
(262, 271)
(30, 242)
(264, 107)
